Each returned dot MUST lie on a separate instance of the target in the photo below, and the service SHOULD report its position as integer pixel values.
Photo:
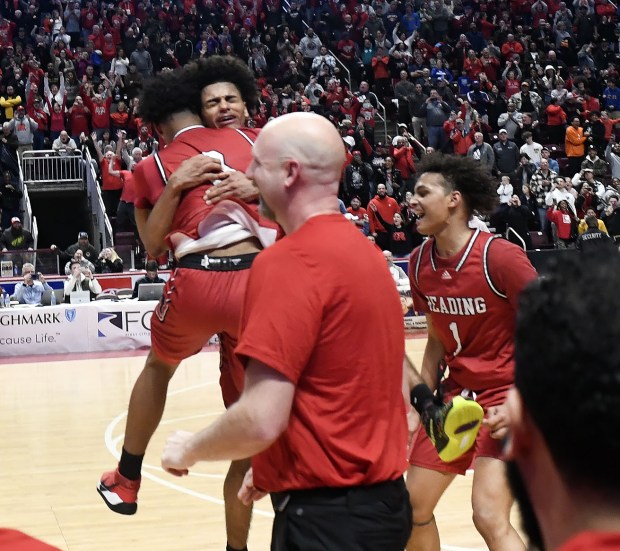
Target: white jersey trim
(468, 250)
(247, 138)
(485, 266)
(419, 261)
(470, 245)
(160, 167)
(187, 128)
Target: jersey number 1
(455, 333)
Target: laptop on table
(79, 297)
(150, 291)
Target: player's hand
(174, 458)
(413, 424)
(233, 184)
(497, 421)
(248, 493)
(196, 171)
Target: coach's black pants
(360, 518)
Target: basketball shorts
(197, 304)
(423, 453)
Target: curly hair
(465, 175)
(567, 372)
(164, 95)
(219, 68)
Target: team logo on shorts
(70, 314)
(107, 320)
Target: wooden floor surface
(61, 426)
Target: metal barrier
(511, 231)
(101, 222)
(50, 168)
(26, 207)
(52, 262)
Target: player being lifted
(214, 246)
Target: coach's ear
(293, 169)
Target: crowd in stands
(527, 87)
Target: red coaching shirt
(321, 308)
(472, 300)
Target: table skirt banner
(67, 328)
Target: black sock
(422, 398)
(130, 465)
(229, 548)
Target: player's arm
(434, 353)
(235, 185)
(155, 224)
(250, 426)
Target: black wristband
(421, 397)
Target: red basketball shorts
(196, 305)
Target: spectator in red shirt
(97, 38)
(35, 111)
(89, 17)
(58, 113)
(511, 47)
(120, 118)
(566, 223)
(403, 158)
(112, 186)
(472, 65)
(108, 51)
(125, 213)
(387, 208)
(381, 73)
(7, 31)
(99, 108)
(461, 139)
(79, 119)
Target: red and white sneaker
(119, 493)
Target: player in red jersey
(467, 282)
(214, 246)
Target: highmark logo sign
(26, 327)
(17, 318)
(131, 323)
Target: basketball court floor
(61, 425)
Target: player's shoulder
(144, 166)
(505, 259)
(498, 246)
